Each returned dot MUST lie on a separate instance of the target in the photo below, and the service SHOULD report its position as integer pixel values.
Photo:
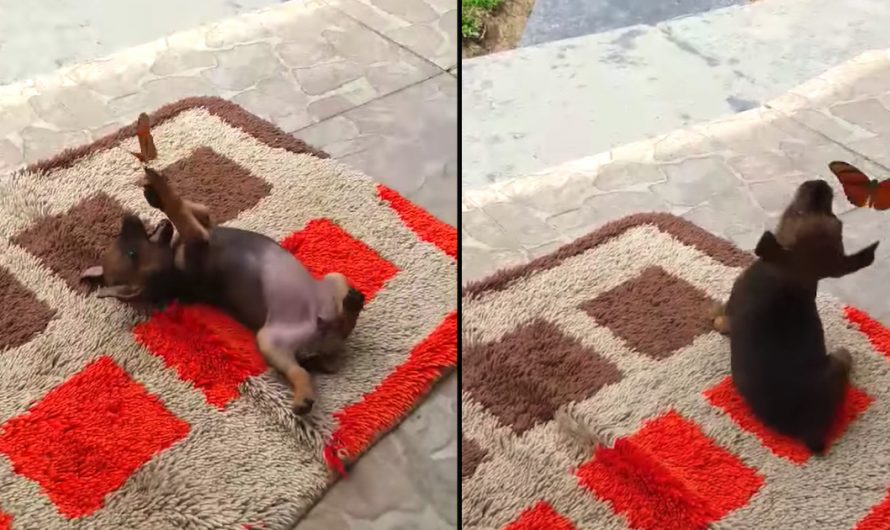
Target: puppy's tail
(718, 317)
(816, 445)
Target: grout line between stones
(384, 36)
(379, 97)
(827, 137)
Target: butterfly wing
(857, 186)
(146, 142)
(881, 196)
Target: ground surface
(534, 107)
(371, 82)
(732, 177)
(39, 37)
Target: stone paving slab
(297, 64)
(535, 107)
(324, 74)
(731, 176)
(782, 43)
(595, 93)
(407, 139)
(39, 37)
(426, 27)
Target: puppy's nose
(817, 186)
(355, 300)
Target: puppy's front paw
(151, 196)
(304, 399)
(867, 255)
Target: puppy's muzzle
(354, 301)
(814, 196)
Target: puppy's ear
(132, 228)
(769, 249)
(93, 274)
(121, 292)
(163, 233)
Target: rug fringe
(361, 423)
(333, 460)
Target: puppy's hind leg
(279, 343)
(830, 391)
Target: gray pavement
(732, 176)
(534, 107)
(369, 82)
(552, 20)
(40, 36)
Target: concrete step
(538, 106)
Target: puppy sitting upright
(297, 319)
(780, 365)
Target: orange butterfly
(859, 188)
(146, 142)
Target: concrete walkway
(370, 85)
(40, 36)
(538, 106)
(731, 176)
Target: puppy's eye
(131, 254)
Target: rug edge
(230, 112)
(429, 363)
(689, 233)
(266, 132)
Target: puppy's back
(776, 341)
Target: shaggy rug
(596, 396)
(114, 418)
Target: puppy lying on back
(298, 320)
(780, 365)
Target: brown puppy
(780, 365)
(299, 321)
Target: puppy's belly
(290, 292)
(258, 282)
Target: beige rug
(111, 418)
(596, 396)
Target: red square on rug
(878, 518)
(86, 437)
(878, 335)
(324, 247)
(669, 476)
(724, 397)
(541, 516)
(206, 347)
